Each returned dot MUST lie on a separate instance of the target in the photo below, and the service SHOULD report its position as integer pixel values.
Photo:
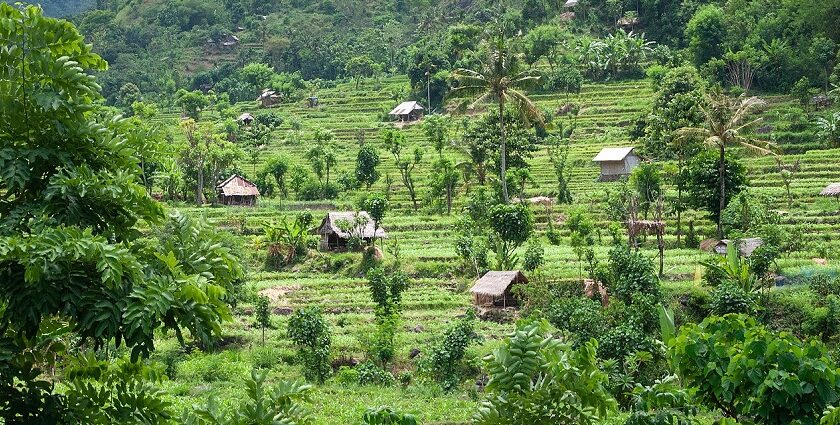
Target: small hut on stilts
(493, 290)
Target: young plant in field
(376, 206)
(582, 227)
(386, 292)
(311, 334)
(281, 404)
(262, 314)
(387, 416)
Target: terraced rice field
(426, 241)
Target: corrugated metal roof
(406, 108)
(831, 190)
(237, 185)
(613, 154)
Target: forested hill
(64, 8)
(160, 46)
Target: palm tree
(726, 121)
(499, 80)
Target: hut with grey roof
(832, 190)
(237, 190)
(338, 227)
(745, 248)
(494, 289)
(407, 111)
(616, 162)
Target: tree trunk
(503, 162)
(679, 200)
(199, 187)
(722, 181)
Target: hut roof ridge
(495, 283)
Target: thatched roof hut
(494, 288)
(237, 190)
(269, 98)
(334, 235)
(246, 118)
(745, 249)
(832, 189)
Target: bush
(580, 316)
(371, 374)
(445, 357)
(622, 340)
(264, 357)
(311, 334)
(731, 298)
(824, 285)
(749, 372)
(534, 256)
(629, 272)
(347, 376)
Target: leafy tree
(706, 33)
(311, 334)
(73, 265)
(582, 227)
(703, 175)
(726, 121)
(394, 142)
(534, 256)
(648, 184)
(544, 41)
(499, 79)
(437, 128)
(257, 76)
(748, 371)
(512, 224)
(282, 404)
(376, 206)
(191, 103)
(367, 162)
(360, 67)
(443, 181)
(278, 167)
(677, 103)
(566, 78)
(444, 359)
(822, 52)
(205, 156)
(558, 152)
(663, 403)
(535, 378)
(321, 156)
(262, 315)
(629, 273)
(386, 292)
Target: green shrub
(211, 367)
(387, 416)
(371, 374)
(536, 379)
(534, 256)
(311, 334)
(824, 285)
(347, 376)
(580, 316)
(750, 372)
(264, 357)
(445, 357)
(730, 298)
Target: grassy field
(437, 295)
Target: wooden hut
(616, 162)
(245, 119)
(832, 190)
(313, 101)
(494, 289)
(407, 112)
(745, 249)
(337, 228)
(268, 98)
(236, 190)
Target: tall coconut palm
(727, 120)
(501, 80)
